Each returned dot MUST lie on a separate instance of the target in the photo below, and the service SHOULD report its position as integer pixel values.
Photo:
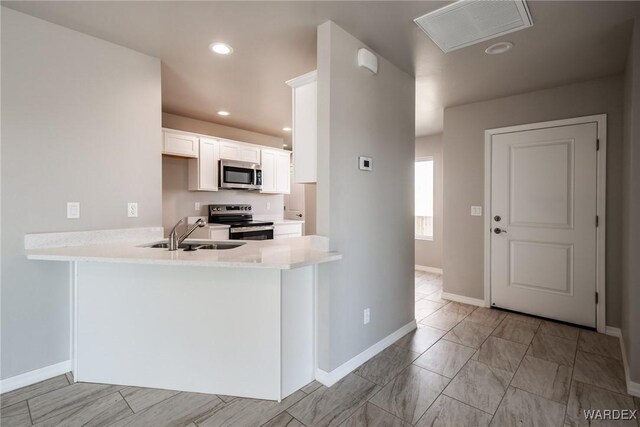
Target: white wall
(81, 121)
(368, 216)
(429, 252)
(463, 155)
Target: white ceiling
(275, 41)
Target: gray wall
(429, 252)
(463, 154)
(368, 216)
(631, 208)
(80, 122)
(178, 202)
(173, 121)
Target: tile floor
(463, 366)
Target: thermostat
(366, 164)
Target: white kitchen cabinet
(211, 233)
(305, 127)
(231, 150)
(180, 144)
(283, 231)
(276, 165)
(203, 171)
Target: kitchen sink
(195, 245)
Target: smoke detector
(467, 22)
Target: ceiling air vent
(468, 22)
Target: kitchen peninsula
(237, 322)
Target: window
(424, 199)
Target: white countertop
(288, 221)
(279, 254)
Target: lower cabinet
(283, 231)
(211, 233)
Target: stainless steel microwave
(240, 175)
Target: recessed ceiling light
(498, 48)
(221, 48)
(286, 129)
(223, 113)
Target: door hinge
(596, 298)
(597, 144)
(597, 220)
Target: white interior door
(543, 221)
(294, 202)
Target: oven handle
(247, 229)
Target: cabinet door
(229, 151)
(269, 171)
(249, 154)
(219, 234)
(208, 164)
(177, 144)
(283, 171)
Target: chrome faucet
(174, 240)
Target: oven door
(251, 233)
(239, 175)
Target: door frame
(601, 123)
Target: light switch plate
(476, 210)
(132, 210)
(73, 210)
(365, 163)
(196, 206)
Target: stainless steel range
(241, 222)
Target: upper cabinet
(276, 166)
(231, 150)
(305, 127)
(203, 171)
(180, 144)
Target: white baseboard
(35, 376)
(435, 270)
(330, 378)
(633, 388)
(463, 299)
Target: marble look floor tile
(524, 318)
(448, 412)
(140, 398)
(25, 393)
(458, 307)
(502, 354)
(443, 319)
(428, 288)
(311, 387)
(424, 307)
(369, 415)
(437, 297)
(16, 415)
(284, 420)
(479, 385)
(516, 331)
(547, 379)
(419, 296)
(420, 339)
(410, 393)
(248, 412)
(445, 358)
(67, 398)
(487, 316)
(387, 364)
(101, 412)
(176, 411)
(559, 330)
(584, 397)
(604, 345)
(469, 333)
(554, 349)
(601, 371)
(520, 408)
(331, 406)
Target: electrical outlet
(367, 315)
(197, 206)
(73, 210)
(476, 210)
(132, 210)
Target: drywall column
(429, 252)
(368, 215)
(631, 210)
(81, 122)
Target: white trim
(633, 388)
(34, 376)
(304, 79)
(435, 270)
(330, 378)
(465, 300)
(601, 121)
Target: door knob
(499, 230)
